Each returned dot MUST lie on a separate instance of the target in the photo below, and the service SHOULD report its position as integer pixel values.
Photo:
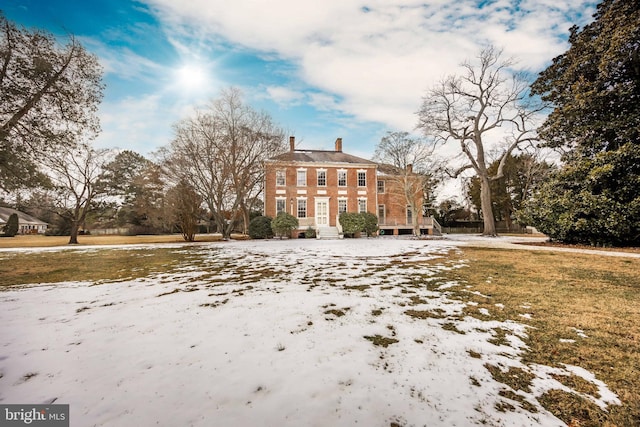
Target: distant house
(316, 186)
(26, 223)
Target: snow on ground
(270, 333)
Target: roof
(23, 218)
(319, 156)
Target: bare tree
(49, 96)
(75, 174)
(184, 206)
(487, 105)
(411, 169)
(220, 151)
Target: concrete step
(327, 233)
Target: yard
(373, 332)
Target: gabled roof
(23, 218)
(319, 156)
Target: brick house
(316, 186)
(395, 187)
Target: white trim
(328, 213)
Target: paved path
(515, 242)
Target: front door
(322, 212)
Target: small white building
(26, 223)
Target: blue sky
(338, 68)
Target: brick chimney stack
(292, 143)
(339, 145)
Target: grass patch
(381, 341)
(426, 314)
(94, 265)
(524, 404)
(516, 378)
(576, 410)
(450, 326)
(564, 293)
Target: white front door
(322, 212)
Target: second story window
(380, 186)
(342, 178)
(362, 179)
(322, 178)
(301, 180)
(281, 178)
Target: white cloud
(141, 123)
(375, 59)
(284, 96)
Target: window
(381, 214)
(342, 178)
(362, 179)
(409, 215)
(342, 206)
(322, 178)
(380, 186)
(302, 178)
(362, 205)
(302, 208)
(281, 205)
(281, 178)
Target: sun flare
(192, 77)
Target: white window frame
(324, 172)
(346, 205)
(364, 179)
(342, 171)
(381, 186)
(301, 203)
(283, 201)
(382, 218)
(281, 178)
(362, 205)
(298, 175)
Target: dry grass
(33, 241)
(97, 265)
(566, 296)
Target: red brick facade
(316, 186)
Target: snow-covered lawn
(272, 333)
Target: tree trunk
(487, 209)
(73, 235)
(416, 221)
(245, 218)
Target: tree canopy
(595, 90)
(49, 96)
(595, 85)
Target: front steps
(328, 233)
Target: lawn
(372, 332)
